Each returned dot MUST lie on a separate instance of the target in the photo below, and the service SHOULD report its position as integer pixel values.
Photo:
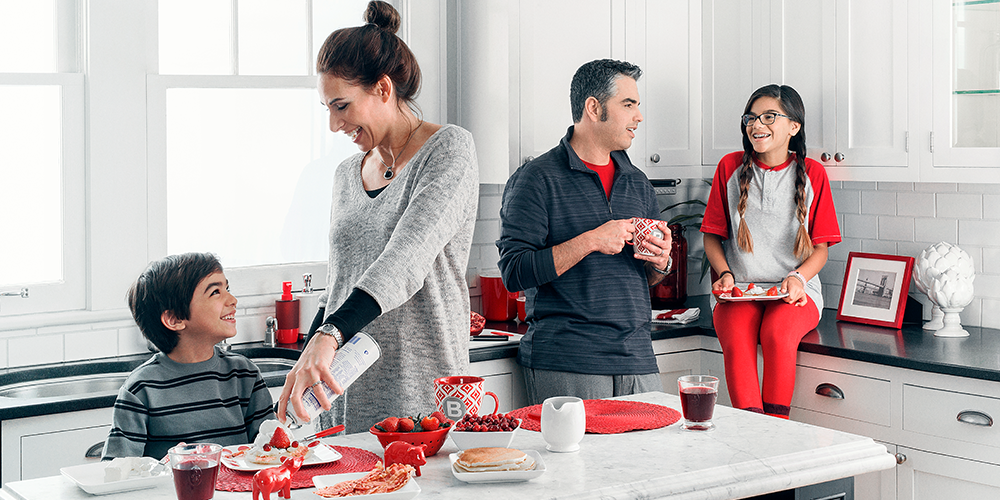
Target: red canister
(498, 303)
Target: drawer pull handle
(975, 418)
(95, 451)
(900, 458)
(830, 391)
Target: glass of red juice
(698, 394)
(195, 468)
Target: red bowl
(432, 440)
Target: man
(565, 222)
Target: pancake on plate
(493, 460)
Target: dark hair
(598, 79)
(168, 284)
(791, 105)
(363, 54)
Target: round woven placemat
(353, 460)
(608, 416)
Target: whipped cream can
(351, 360)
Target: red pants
(779, 327)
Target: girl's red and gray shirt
(771, 218)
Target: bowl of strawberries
(487, 431)
(430, 431)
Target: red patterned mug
(458, 395)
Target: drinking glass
(698, 394)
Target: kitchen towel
(608, 416)
(354, 460)
(675, 316)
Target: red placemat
(608, 416)
(354, 460)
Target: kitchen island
(746, 455)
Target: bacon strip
(379, 480)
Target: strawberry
(440, 416)
(390, 424)
(279, 439)
(429, 424)
(405, 424)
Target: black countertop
(976, 356)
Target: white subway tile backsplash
(91, 344)
(915, 204)
(847, 201)
(899, 187)
(991, 312)
(860, 226)
(877, 246)
(487, 232)
(910, 249)
(861, 185)
(991, 206)
(878, 202)
(895, 228)
(979, 232)
(935, 230)
(935, 187)
(990, 261)
(489, 207)
(131, 341)
(3, 354)
(959, 205)
(35, 350)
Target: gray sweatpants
(543, 384)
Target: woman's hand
(312, 367)
(796, 291)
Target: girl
(769, 221)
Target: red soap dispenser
(287, 312)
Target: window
(235, 118)
(41, 156)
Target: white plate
(751, 298)
(409, 490)
(500, 476)
(90, 478)
(321, 454)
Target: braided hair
(791, 105)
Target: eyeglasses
(765, 118)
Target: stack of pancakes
(493, 460)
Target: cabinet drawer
(936, 412)
(849, 396)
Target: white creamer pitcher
(564, 421)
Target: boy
(189, 391)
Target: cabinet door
(556, 38)
(929, 476)
(880, 485)
(28, 444)
(663, 37)
(966, 84)
(848, 61)
(733, 65)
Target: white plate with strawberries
(273, 442)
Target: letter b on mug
(456, 396)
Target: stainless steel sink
(267, 365)
(81, 385)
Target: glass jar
(671, 292)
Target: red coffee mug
(498, 303)
(458, 395)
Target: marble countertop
(747, 454)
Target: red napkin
(354, 460)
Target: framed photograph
(875, 289)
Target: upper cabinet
(966, 86)
(846, 58)
(663, 37)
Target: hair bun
(383, 15)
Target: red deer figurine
(399, 452)
(277, 479)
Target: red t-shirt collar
(791, 158)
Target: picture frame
(875, 289)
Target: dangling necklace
(388, 169)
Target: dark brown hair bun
(383, 15)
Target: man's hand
(610, 238)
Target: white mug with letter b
(564, 421)
(458, 395)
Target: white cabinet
(696, 355)
(504, 378)
(846, 58)
(35, 447)
(966, 87)
(555, 38)
(663, 37)
(932, 476)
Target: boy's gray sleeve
(127, 437)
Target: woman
(769, 221)
(401, 227)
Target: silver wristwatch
(328, 329)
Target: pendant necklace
(388, 169)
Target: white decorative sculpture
(945, 273)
